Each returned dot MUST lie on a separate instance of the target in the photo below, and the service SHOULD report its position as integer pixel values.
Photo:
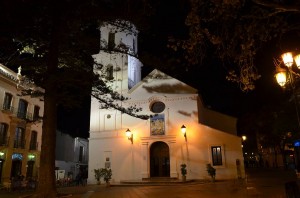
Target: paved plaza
(264, 183)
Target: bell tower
(118, 55)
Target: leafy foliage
(211, 170)
(54, 41)
(97, 174)
(183, 169)
(231, 33)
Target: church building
(179, 130)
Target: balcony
(7, 108)
(33, 146)
(24, 115)
(4, 141)
(19, 144)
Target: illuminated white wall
(109, 145)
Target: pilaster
(145, 160)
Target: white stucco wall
(131, 161)
(109, 145)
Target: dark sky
(217, 93)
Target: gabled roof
(159, 82)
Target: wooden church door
(159, 160)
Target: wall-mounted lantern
(129, 135)
(2, 155)
(183, 130)
(31, 157)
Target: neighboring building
(157, 146)
(20, 128)
(71, 155)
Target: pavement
(264, 183)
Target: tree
(272, 126)
(232, 32)
(54, 41)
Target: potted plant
(211, 172)
(98, 175)
(183, 172)
(106, 174)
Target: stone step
(154, 181)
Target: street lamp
(244, 138)
(286, 75)
(129, 135)
(2, 155)
(284, 72)
(183, 130)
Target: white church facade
(157, 147)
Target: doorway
(159, 160)
(30, 166)
(16, 168)
(1, 167)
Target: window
(22, 109)
(19, 138)
(157, 107)
(7, 101)
(109, 72)
(33, 140)
(216, 153)
(3, 134)
(133, 45)
(132, 75)
(80, 154)
(111, 41)
(36, 113)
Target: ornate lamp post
(284, 72)
(286, 75)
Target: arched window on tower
(111, 41)
(133, 46)
(109, 72)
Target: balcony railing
(19, 144)
(20, 114)
(33, 146)
(24, 115)
(4, 141)
(7, 108)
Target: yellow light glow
(297, 60)
(1, 153)
(244, 137)
(183, 129)
(128, 133)
(31, 156)
(281, 78)
(287, 59)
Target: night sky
(217, 93)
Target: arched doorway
(16, 166)
(159, 160)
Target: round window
(157, 107)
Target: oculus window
(157, 107)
